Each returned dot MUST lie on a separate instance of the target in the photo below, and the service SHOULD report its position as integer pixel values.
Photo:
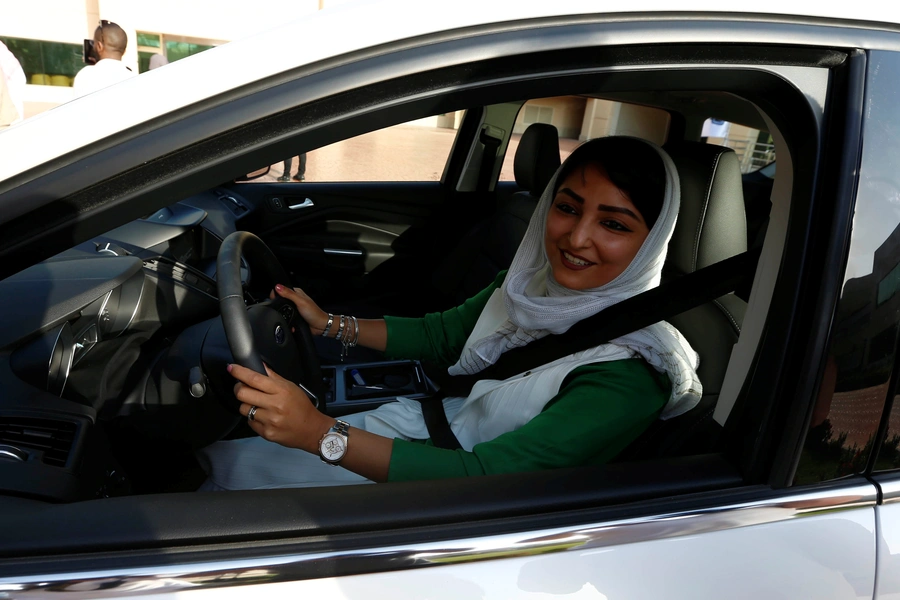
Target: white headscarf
(536, 305)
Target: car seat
(711, 227)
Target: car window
(755, 148)
(579, 118)
(412, 151)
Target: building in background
(47, 35)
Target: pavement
(399, 153)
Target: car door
(730, 520)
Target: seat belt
(666, 300)
(488, 158)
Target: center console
(357, 387)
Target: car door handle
(337, 252)
(305, 204)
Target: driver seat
(711, 227)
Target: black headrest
(537, 157)
(712, 225)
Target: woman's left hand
(284, 413)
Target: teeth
(577, 261)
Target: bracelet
(350, 337)
(328, 325)
(340, 328)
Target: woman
(598, 236)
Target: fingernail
(279, 287)
(229, 367)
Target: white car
(783, 483)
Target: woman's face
(593, 230)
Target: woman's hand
(284, 413)
(314, 316)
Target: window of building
(170, 46)
(755, 149)
(46, 63)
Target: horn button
(272, 334)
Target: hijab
(537, 306)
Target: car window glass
(856, 381)
(412, 151)
(755, 148)
(578, 118)
(889, 453)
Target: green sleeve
(599, 410)
(437, 337)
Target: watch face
(333, 447)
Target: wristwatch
(333, 445)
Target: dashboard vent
(52, 438)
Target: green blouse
(599, 409)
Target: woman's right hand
(314, 316)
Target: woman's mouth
(576, 263)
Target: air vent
(52, 438)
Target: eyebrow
(603, 207)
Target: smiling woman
(599, 400)
(605, 207)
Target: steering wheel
(261, 333)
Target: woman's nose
(580, 234)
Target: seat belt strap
(436, 421)
(488, 158)
(664, 301)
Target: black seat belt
(664, 301)
(488, 158)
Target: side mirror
(253, 174)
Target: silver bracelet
(328, 325)
(340, 328)
(346, 342)
(356, 337)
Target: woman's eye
(614, 225)
(566, 208)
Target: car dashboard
(83, 333)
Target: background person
(598, 236)
(301, 169)
(110, 42)
(157, 61)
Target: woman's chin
(574, 280)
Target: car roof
(333, 32)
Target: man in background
(109, 46)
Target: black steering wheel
(262, 333)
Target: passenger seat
(711, 227)
(490, 246)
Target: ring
(252, 414)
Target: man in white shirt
(109, 46)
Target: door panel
(337, 233)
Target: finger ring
(252, 414)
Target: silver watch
(333, 445)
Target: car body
(115, 226)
